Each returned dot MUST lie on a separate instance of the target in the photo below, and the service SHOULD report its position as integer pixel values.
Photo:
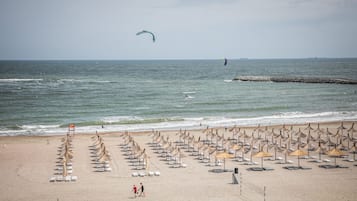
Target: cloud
(185, 28)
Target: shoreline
(195, 129)
(186, 123)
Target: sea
(45, 97)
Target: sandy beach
(28, 162)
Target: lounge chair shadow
(332, 166)
(219, 170)
(296, 168)
(260, 169)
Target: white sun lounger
(53, 179)
(351, 160)
(67, 178)
(74, 178)
(68, 168)
(157, 173)
(317, 161)
(60, 178)
(102, 166)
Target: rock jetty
(296, 79)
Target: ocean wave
(82, 81)
(36, 127)
(137, 120)
(189, 92)
(20, 80)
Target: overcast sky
(185, 29)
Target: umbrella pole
(262, 162)
(224, 164)
(320, 155)
(298, 161)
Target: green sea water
(43, 97)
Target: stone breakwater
(296, 79)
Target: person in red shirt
(135, 190)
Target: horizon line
(168, 59)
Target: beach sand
(27, 163)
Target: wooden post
(241, 183)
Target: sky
(184, 29)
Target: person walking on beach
(135, 190)
(142, 193)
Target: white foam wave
(34, 127)
(20, 80)
(84, 81)
(189, 92)
(33, 130)
(117, 119)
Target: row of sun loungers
(203, 150)
(100, 155)
(169, 152)
(142, 174)
(64, 165)
(137, 157)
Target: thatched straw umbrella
(262, 154)
(146, 159)
(354, 150)
(235, 147)
(298, 153)
(224, 155)
(320, 149)
(335, 153)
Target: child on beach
(135, 190)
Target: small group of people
(139, 191)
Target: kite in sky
(147, 32)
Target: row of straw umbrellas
(65, 153)
(134, 153)
(100, 154)
(263, 142)
(168, 150)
